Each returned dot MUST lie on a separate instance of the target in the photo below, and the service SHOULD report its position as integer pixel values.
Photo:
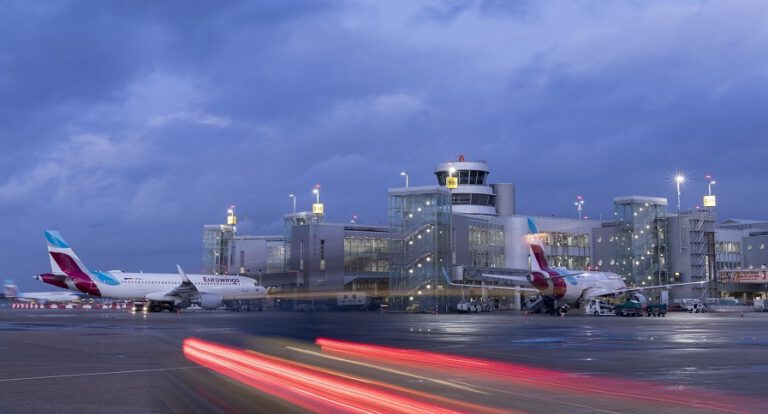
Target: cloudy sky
(128, 125)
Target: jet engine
(209, 300)
(541, 281)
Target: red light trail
(318, 389)
(542, 378)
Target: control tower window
(461, 198)
(481, 199)
(441, 177)
(463, 177)
(472, 177)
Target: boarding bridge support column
(516, 300)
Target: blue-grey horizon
(129, 125)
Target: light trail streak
(315, 388)
(540, 378)
(385, 369)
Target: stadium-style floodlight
(405, 174)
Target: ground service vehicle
(629, 308)
(597, 307)
(656, 309)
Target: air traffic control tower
(471, 195)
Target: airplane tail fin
(538, 258)
(63, 258)
(10, 289)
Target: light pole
(293, 196)
(405, 174)
(579, 203)
(316, 192)
(679, 179)
(710, 183)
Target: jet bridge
(486, 278)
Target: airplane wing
(637, 289)
(596, 292)
(185, 290)
(186, 287)
(509, 278)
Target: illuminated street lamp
(316, 192)
(710, 183)
(293, 196)
(579, 203)
(679, 179)
(405, 174)
(231, 218)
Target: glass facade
(466, 177)
(365, 255)
(641, 240)
(486, 245)
(276, 256)
(473, 199)
(570, 250)
(728, 254)
(421, 221)
(216, 249)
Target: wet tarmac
(112, 361)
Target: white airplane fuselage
(46, 297)
(140, 286)
(572, 287)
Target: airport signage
(221, 280)
(743, 276)
(317, 208)
(452, 182)
(710, 201)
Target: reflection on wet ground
(134, 362)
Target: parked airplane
(158, 290)
(560, 288)
(12, 292)
(563, 288)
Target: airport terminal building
(463, 229)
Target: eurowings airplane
(12, 292)
(571, 288)
(159, 290)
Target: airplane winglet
(183, 275)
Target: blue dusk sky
(127, 125)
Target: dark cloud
(129, 125)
